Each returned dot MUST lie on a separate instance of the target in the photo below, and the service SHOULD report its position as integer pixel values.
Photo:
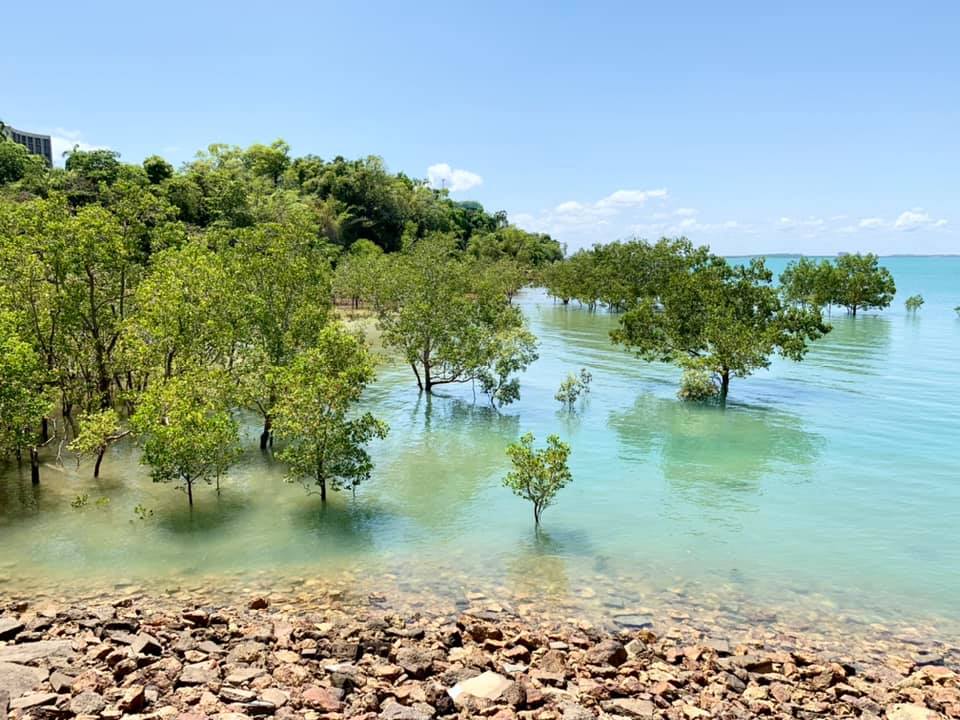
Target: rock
(572, 711)
(392, 710)
(247, 651)
(320, 698)
(242, 675)
(10, 628)
(902, 711)
(631, 707)
(343, 675)
(633, 622)
(144, 644)
(32, 651)
(259, 603)
(133, 700)
(488, 685)
(19, 679)
(87, 703)
(199, 674)
(60, 682)
(237, 695)
(277, 698)
(608, 652)
(417, 663)
(33, 700)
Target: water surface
(831, 484)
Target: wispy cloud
(916, 219)
(441, 175)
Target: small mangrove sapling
(538, 475)
(573, 387)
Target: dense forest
(159, 303)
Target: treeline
(144, 300)
(680, 303)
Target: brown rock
(10, 628)
(320, 698)
(33, 700)
(133, 700)
(608, 652)
(274, 696)
(631, 707)
(259, 603)
(87, 703)
(17, 679)
(416, 662)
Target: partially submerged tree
(24, 396)
(186, 430)
(324, 443)
(573, 387)
(448, 320)
(914, 303)
(726, 319)
(98, 430)
(538, 475)
(862, 284)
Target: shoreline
(336, 650)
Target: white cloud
(63, 140)
(872, 222)
(686, 212)
(630, 198)
(569, 207)
(916, 219)
(442, 175)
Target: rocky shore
(189, 656)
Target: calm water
(834, 482)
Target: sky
(761, 127)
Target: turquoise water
(834, 482)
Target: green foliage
(573, 387)
(450, 322)
(538, 475)
(619, 274)
(697, 385)
(143, 513)
(809, 284)
(17, 163)
(729, 319)
(324, 443)
(957, 310)
(97, 431)
(512, 351)
(25, 396)
(80, 501)
(186, 430)
(914, 303)
(861, 284)
(157, 169)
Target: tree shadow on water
(210, 513)
(717, 457)
(341, 523)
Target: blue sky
(753, 127)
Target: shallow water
(831, 485)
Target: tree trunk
(44, 430)
(265, 435)
(34, 466)
(96, 466)
(536, 514)
(323, 490)
(724, 383)
(190, 493)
